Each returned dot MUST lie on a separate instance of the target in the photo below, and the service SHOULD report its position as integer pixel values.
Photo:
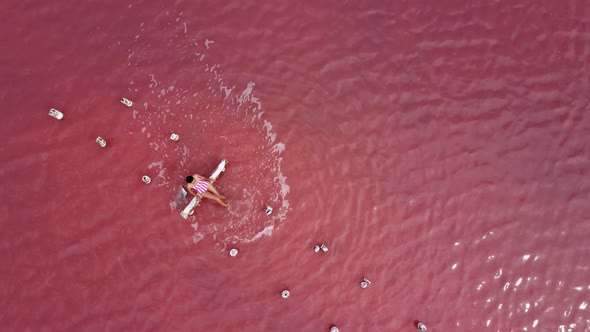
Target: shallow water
(437, 148)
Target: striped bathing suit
(201, 186)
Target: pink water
(439, 148)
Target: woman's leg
(213, 197)
(214, 191)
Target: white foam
(267, 231)
(161, 170)
(153, 82)
(283, 212)
(283, 183)
(245, 96)
(278, 148)
(269, 134)
(198, 237)
(256, 101)
(226, 90)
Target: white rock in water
(126, 102)
(233, 252)
(101, 141)
(285, 294)
(56, 114)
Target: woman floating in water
(200, 185)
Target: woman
(200, 185)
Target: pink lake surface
(438, 148)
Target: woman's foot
(221, 202)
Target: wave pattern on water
(439, 149)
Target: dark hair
(189, 179)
